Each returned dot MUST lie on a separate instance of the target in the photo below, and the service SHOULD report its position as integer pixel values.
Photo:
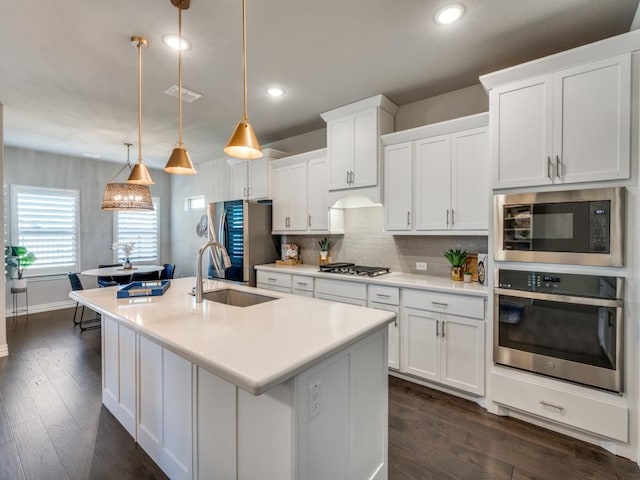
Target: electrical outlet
(421, 266)
(314, 399)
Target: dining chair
(108, 281)
(168, 271)
(144, 277)
(76, 284)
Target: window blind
(143, 228)
(46, 222)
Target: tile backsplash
(364, 242)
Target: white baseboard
(45, 307)
(4, 350)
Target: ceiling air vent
(188, 96)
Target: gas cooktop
(353, 269)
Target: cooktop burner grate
(353, 269)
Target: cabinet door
(119, 372)
(421, 343)
(432, 187)
(258, 179)
(318, 194)
(522, 129)
(238, 181)
(280, 195)
(462, 355)
(592, 126)
(297, 193)
(398, 176)
(365, 149)
(340, 147)
(470, 185)
(393, 333)
(150, 414)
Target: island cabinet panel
(216, 427)
(165, 420)
(266, 434)
(119, 372)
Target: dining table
(120, 271)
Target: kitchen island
(288, 388)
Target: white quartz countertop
(397, 279)
(256, 347)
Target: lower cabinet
(165, 416)
(388, 298)
(275, 281)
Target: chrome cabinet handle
(549, 168)
(558, 167)
(408, 218)
(353, 177)
(443, 327)
(382, 295)
(447, 217)
(304, 284)
(437, 324)
(271, 279)
(452, 217)
(552, 405)
(348, 178)
(440, 304)
(309, 220)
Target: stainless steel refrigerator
(244, 228)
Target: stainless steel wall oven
(567, 326)
(576, 227)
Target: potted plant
(18, 258)
(324, 249)
(457, 258)
(467, 276)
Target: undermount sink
(237, 298)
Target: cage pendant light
(126, 196)
(179, 161)
(140, 174)
(243, 142)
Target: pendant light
(140, 174)
(243, 142)
(126, 196)
(179, 161)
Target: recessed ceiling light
(449, 14)
(172, 41)
(275, 91)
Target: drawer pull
(552, 405)
(271, 279)
(440, 304)
(383, 295)
(304, 284)
(437, 325)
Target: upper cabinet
(251, 179)
(437, 178)
(353, 145)
(300, 189)
(553, 125)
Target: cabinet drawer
(584, 412)
(300, 282)
(388, 295)
(274, 288)
(302, 293)
(462, 305)
(274, 278)
(341, 288)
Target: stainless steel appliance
(577, 227)
(353, 269)
(567, 326)
(244, 228)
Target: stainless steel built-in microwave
(577, 227)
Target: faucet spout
(215, 248)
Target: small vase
(19, 283)
(127, 264)
(324, 256)
(467, 278)
(456, 274)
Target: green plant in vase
(457, 258)
(18, 258)
(324, 249)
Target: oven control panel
(596, 286)
(599, 220)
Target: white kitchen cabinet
(318, 193)
(353, 142)
(302, 285)
(119, 372)
(251, 179)
(165, 420)
(388, 298)
(341, 291)
(275, 281)
(437, 181)
(442, 347)
(567, 126)
(290, 197)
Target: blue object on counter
(153, 288)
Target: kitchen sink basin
(237, 298)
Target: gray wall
(29, 167)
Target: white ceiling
(68, 71)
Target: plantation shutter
(141, 228)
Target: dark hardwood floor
(52, 424)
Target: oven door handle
(551, 297)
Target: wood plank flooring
(53, 425)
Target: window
(143, 228)
(194, 203)
(46, 221)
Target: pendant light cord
(180, 74)
(139, 104)
(244, 58)
(128, 164)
